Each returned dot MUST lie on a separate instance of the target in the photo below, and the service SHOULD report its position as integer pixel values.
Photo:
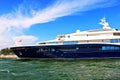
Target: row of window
(53, 42)
(67, 42)
(90, 48)
(75, 42)
(115, 40)
(110, 48)
(71, 42)
(79, 48)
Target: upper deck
(104, 35)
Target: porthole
(20, 53)
(53, 50)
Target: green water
(83, 69)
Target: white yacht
(98, 43)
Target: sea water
(81, 69)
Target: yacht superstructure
(104, 35)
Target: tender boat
(99, 43)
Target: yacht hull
(69, 51)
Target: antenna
(104, 23)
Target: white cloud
(13, 24)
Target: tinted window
(110, 48)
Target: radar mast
(104, 23)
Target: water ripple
(4, 71)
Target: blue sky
(37, 20)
